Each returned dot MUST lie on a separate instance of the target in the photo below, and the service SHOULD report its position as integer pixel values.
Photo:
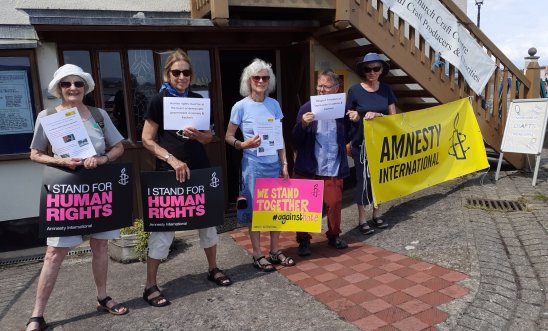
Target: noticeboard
(525, 126)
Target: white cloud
(514, 26)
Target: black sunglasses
(177, 73)
(78, 84)
(258, 78)
(369, 69)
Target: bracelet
(108, 158)
(234, 143)
(284, 163)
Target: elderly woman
(256, 83)
(177, 151)
(369, 99)
(71, 84)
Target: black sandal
(378, 223)
(263, 264)
(117, 309)
(42, 325)
(281, 259)
(155, 302)
(365, 228)
(222, 280)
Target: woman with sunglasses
(369, 99)
(177, 151)
(71, 84)
(256, 83)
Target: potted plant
(132, 244)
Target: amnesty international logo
(214, 182)
(124, 179)
(457, 148)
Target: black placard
(85, 201)
(169, 205)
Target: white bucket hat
(69, 70)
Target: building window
(126, 80)
(18, 97)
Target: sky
(514, 26)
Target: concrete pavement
(502, 254)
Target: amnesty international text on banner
(412, 151)
(169, 205)
(287, 205)
(85, 200)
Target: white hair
(251, 70)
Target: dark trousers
(332, 199)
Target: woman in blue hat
(369, 99)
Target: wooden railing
(506, 84)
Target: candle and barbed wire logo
(124, 179)
(214, 180)
(457, 148)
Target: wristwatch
(168, 155)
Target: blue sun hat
(373, 57)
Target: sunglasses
(258, 78)
(177, 73)
(77, 84)
(369, 69)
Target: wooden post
(532, 72)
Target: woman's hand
(285, 172)
(203, 137)
(70, 162)
(94, 161)
(371, 115)
(182, 172)
(252, 142)
(353, 115)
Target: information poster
(180, 113)
(85, 201)
(169, 205)
(525, 126)
(66, 133)
(287, 205)
(328, 106)
(15, 103)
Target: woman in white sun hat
(71, 84)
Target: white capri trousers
(73, 241)
(159, 242)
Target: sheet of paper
(328, 106)
(270, 132)
(67, 135)
(180, 113)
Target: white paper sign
(271, 135)
(180, 113)
(67, 135)
(447, 36)
(328, 106)
(525, 126)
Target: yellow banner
(412, 151)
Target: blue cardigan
(305, 139)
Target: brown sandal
(155, 302)
(221, 279)
(281, 259)
(42, 325)
(263, 264)
(117, 309)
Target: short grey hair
(251, 70)
(332, 75)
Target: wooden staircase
(356, 27)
